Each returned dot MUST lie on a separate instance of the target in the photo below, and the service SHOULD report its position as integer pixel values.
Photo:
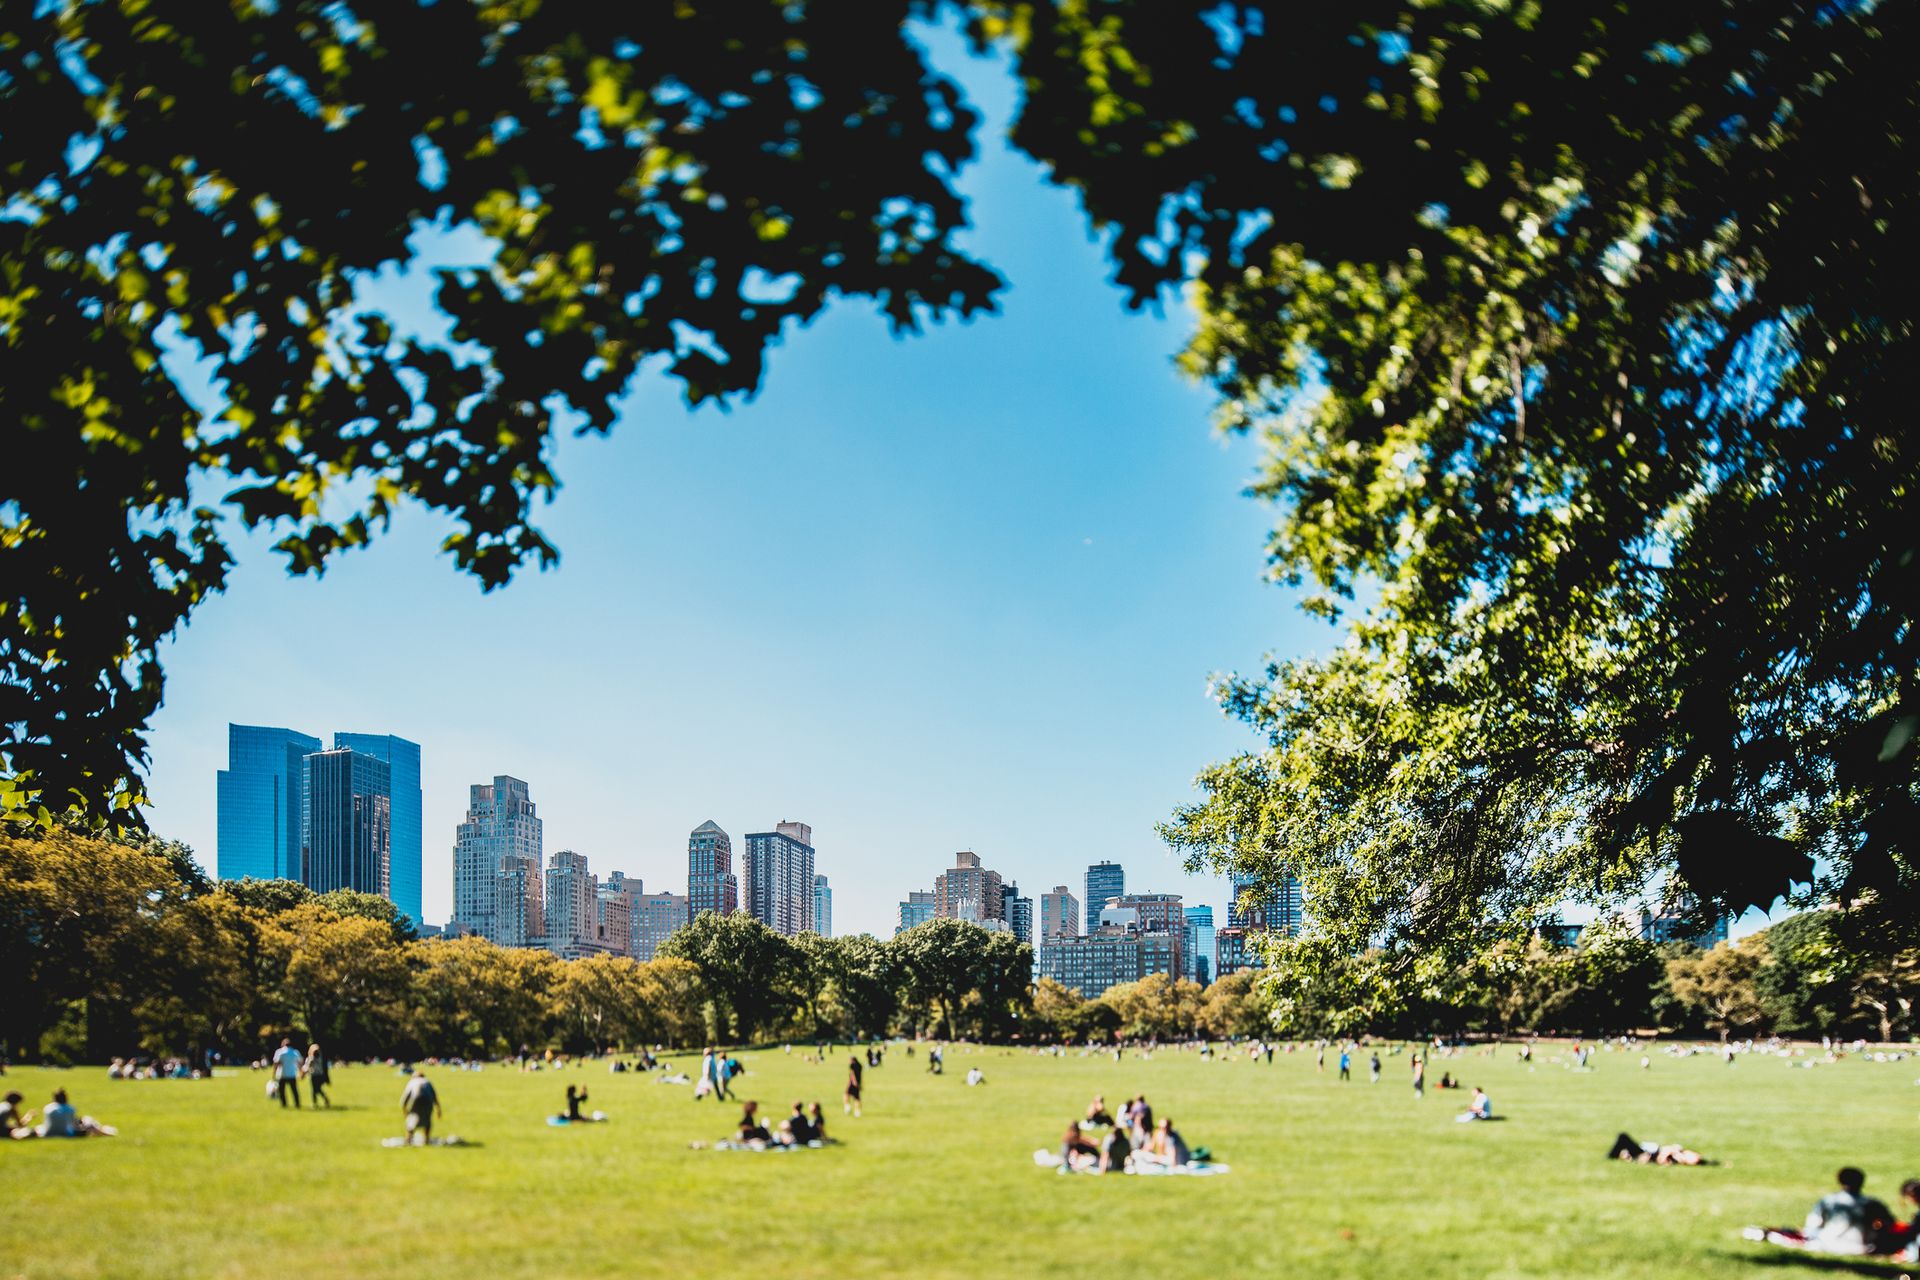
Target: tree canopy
(1581, 338)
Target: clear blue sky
(961, 591)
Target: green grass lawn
(1329, 1179)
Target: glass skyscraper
(403, 760)
(347, 833)
(261, 803)
(1200, 943)
(1104, 880)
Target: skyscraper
(616, 895)
(260, 804)
(403, 762)
(1200, 944)
(778, 885)
(1018, 913)
(711, 884)
(572, 906)
(655, 917)
(822, 907)
(496, 864)
(1104, 880)
(917, 909)
(346, 837)
(968, 891)
(1059, 913)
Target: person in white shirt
(286, 1073)
(1847, 1221)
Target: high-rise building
(778, 886)
(917, 909)
(711, 884)
(1059, 913)
(1233, 951)
(260, 803)
(616, 895)
(968, 891)
(655, 917)
(822, 907)
(496, 864)
(1256, 906)
(1017, 912)
(1200, 944)
(346, 836)
(1104, 880)
(403, 763)
(1681, 923)
(572, 905)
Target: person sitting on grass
(751, 1130)
(1847, 1221)
(1479, 1107)
(1903, 1238)
(1075, 1151)
(15, 1123)
(1166, 1148)
(801, 1127)
(1116, 1151)
(60, 1120)
(1625, 1148)
(1097, 1113)
(817, 1121)
(575, 1096)
(976, 1076)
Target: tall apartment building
(1104, 880)
(403, 765)
(1109, 955)
(822, 907)
(260, 805)
(778, 886)
(1200, 944)
(346, 834)
(917, 909)
(496, 864)
(711, 884)
(572, 906)
(1233, 951)
(616, 895)
(1059, 913)
(968, 891)
(655, 917)
(1017, 912)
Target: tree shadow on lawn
(1821, 1262)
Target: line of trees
(118, 946)
(1822, 972)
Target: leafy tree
(1158, 1007)
(268, 897)
(1581, 339)
(471, 995)
(676, 186)
(600, 1001)
(345, 977)
(1720, 984)
(675, 1000)
(369, 906)
(865, 978)
(1057, 1010)
(744, 966)
(1236, 1006)
(943, 961)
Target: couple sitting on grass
(804, 1128)
(59, 1120)
(1850, 1223)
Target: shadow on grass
(1820, 1262)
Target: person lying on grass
(1625, 1148)
(59, 1120)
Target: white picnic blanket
(1200, 1169)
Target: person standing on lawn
(420, 1104)
(319, 1074)
(286, 1073)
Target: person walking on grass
(850, 1104)
(286, 1073)
(420, 1104)
(1346, 1064)
(1374, 1066)
(1320, 1059)
(319, 1074)
(1419, 1076)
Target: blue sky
(961, 591)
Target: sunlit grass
(1329, 1179)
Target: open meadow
(1328, 1178)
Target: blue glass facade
(347, 832)
(403, 760)
(260, 803)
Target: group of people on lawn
(1133, 1140)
